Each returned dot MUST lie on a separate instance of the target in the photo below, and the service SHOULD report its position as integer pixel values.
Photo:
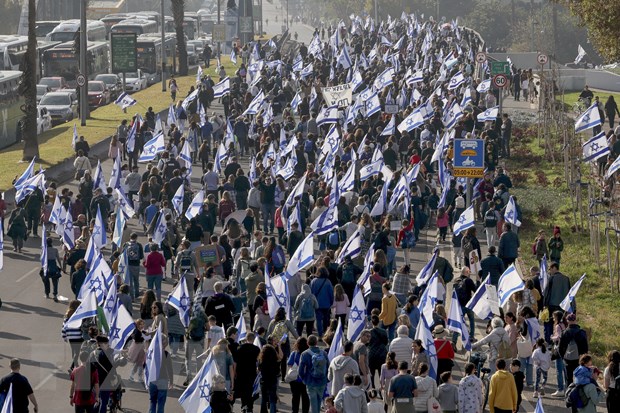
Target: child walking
(136, 353)
(442, 223)
(541, 358)
(341, 304)
(406, 238)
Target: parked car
(55, 83)
(41, 91)
(198, 44)
(192, 56)
(98, 94)
(113, 82)
(61, 105)
(135, 81)
(44, 120)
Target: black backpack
(490, 219)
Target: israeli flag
(384, 79)
(465, 221)
(466, 97)
(352, 248)
(510, 213)
(344, 59)
(490, 114)
(390, 128)
(581, 53)
(414, 78)
(298, 63)
(356, 80)
(347, 183)
(177, 200)
(28, 174)
(484, 86)
(123, 268)
(380, 206)
(456, 323)
(121, 327)
(58, 215)
(185, 157)
(401, 189)
(196, 206)
(427, 271)
(288, 170)
(233, 57)
(411, 122)
(115, 176)
(307, 71)
(86, 309)
(539, 406)
(373, 105)
(255, 104)
(179, 299)
(431, 295)
(336, 348)
(567, 302)
(509, 283)
(452, 116)
(29, 186)
(457, 80)
(222, 88)
(99, 179)
(364, 279)
(357, 315)
(44, 249)
(543, 276)
(109, 305)
(366, 172)
(277, 294)
(197, 396)
(327, 115)
(295, 102)
(533, 329)
(94, 281)
(123, 204)
(124, 101)
(325, 222)
(152, 148)
(154, 356)
(301, 258)
(172, 116)
(443, 145)
(595, 148)
(613, 168)
(7, 407)
(253, 175)
(99, 235)
(313, 97)
(190, 98)
(423, 333)
(588, 119)
(131, 136)
(479, 302)
(119, 226)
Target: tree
(178, 13)
(601, 18)
(28, 88)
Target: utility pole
(83, 68)
(376, 13)
(219, 21)
(286, 14)
(163, 48)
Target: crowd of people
(282, 173)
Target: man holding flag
(18, 390)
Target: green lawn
(55, 144)
(545, 199)
(571, 98)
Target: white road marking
(29, 273)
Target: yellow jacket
(388, 309)
(502, 392)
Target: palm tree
(28, 88)
(178, 13)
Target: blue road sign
(469, 158)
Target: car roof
(61, 93)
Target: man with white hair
(494, 339)
(402, 344)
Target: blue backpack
(278, 258)
(319, 365)
(408, 240)
(308, 146)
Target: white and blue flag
(196, 205)
(327, 115)
(109, 305)
(44, 249)
(301, 258)
(29, 186)
(423, 333)
(490, 114)
(510, 213)
(154, 356)
(28, 173)
(484, 86)
(116, 175)
(352, 248)
(295, 102)
(119, 227)
(242, 330)
(413, 121)
(369, 170)
(456, 323)
(539, 406)
(180, 299)
(153, 147)
(427, 271)
(384, 79)
(86, 309)
(197, 397)
(121, 327)
(159, 233)
(595, 148)
(177, 200)
(588, 119)
(479, 303)
(336, 348)
(431, 296)
(99, 235)
(373, 105)
(255, 104)
(613, 168)
(326, 222)
(466, 97)
(123, 203)
(172, 116)
(509, 283)
(567, 302)
(465, 221)
(222, 88)
(457, 80)
(124, 101)
(453, 114)
(344, 59)
(357, 315)
(390, 128)
(7, 407)
(543, 276)
(277, 294)
(382, 202)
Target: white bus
(66, 31)
(137, 26)
(10, 104)
(12, 51)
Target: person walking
(313, 372)
(246, 359)
(471, 399)
(155, 265)
(268, 360)
(17, 227)
(84, 392)
(341, 366)
(573, 344)
(351, 399)
(502, 390)
(403, 390)
(22, 391)
(298, 388)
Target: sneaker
(559, 393)
(186, 383)
(542, 392)
(536, 395)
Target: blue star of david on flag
(114, 332)
(356, 314)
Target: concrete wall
(576, 79)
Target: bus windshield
(62, 36)
(66, 68)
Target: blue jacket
(323, 291)
(305, 368)
(508, 245)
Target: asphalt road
(30, 324)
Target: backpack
(279, 330)
(408, 240)
(133, 251)
(277, 257)
(503, 350)
(348, 275)
(572, 351)
(197, 330)
(461, 291)
(185, 263)
(459, 202)
(497, 199)
(575, 396)
(333, 239)
(306, 308)
(308, 146)
(319, 365)
(490, 219)
(376, 291)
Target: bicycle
(580, 106)
(478, 359)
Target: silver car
(62, 106)
(41, 91)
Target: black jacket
(574, 332)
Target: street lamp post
(83, 68)
(163, 48)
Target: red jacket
(444, 349)
(154, 263)
(401, 233)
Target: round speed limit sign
(80, 80)
(481, 57)
(500, 81)
(542, 59)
